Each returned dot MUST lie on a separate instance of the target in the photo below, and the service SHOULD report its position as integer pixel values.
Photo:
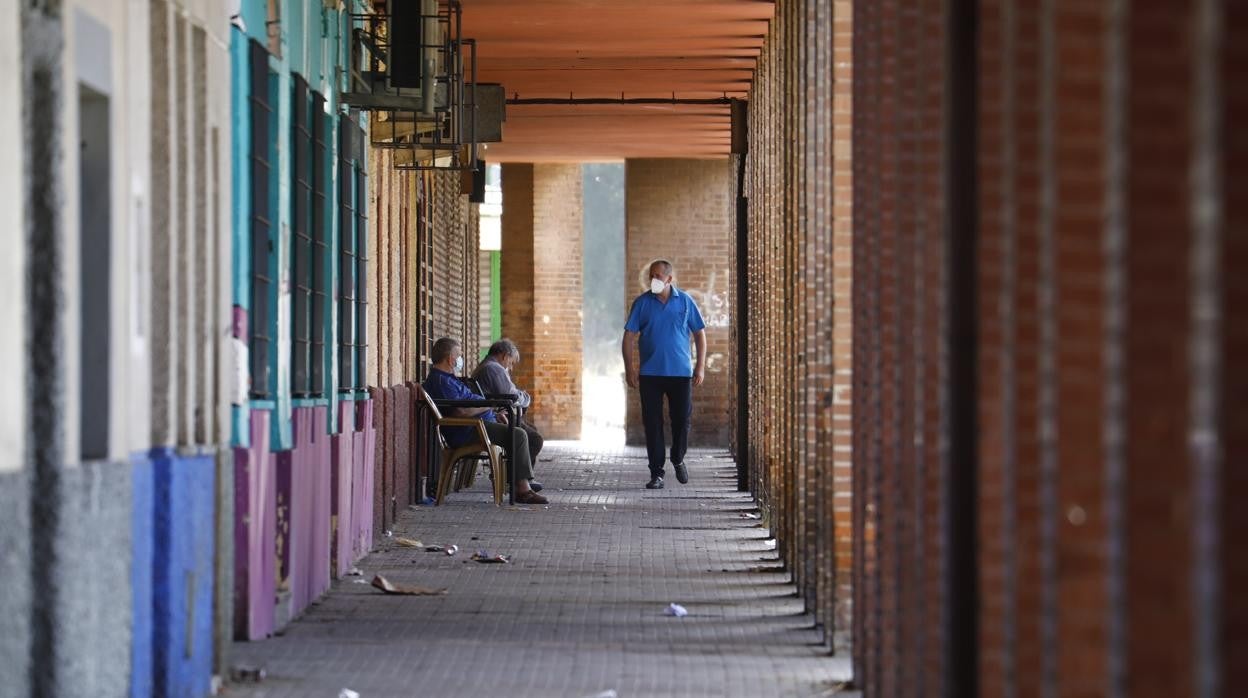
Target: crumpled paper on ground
(391, 588)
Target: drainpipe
(740, 148)
(44, 98)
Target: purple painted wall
(381, 462)
(255, 529)
(304, 484)
(342, 473)
(303, 514)
(363, 484)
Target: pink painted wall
(352, 459)
(255, 533)
(363, 484)
(307, 495)
(306, 512)
(341, 460)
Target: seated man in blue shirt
(448, 357)
(662, 321)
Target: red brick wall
(422, 284)
(1231, 483)
(681, 210)
(836, 199)
(454, 263)
(798, 180)
(392, 239)
(516, 273)
(911, 635)
(422, 276)
(541, 289)
(1106, 405)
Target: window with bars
(321, 252)
(261, 330)
(352, 256)
(309, 246)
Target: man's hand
(699, 365)
(631, 376)
(501, 415)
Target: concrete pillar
(541, 289)
(15, 469)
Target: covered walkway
(578, 611)
(974, 275)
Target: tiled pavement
(579, 611)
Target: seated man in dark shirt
(493, 374)
(447, 355)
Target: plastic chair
(459, 465)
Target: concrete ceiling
(556, 49)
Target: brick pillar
(681, 210)
(541, 289)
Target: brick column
(541, 289)
(681, 210)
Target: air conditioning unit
(416, 42)
(413, 70)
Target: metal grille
(321, 254)
(361, 260)
(302, 259)
(346, 255)
(352, 257)
(261, 222)
(425, 262)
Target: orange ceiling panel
(561, 49)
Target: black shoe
(682, 473)
(535, 485)
(656, 483)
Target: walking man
(660, 324)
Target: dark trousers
(535, 439)
(517, 450)
(679, 394)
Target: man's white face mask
(657, 286)
(459, 364)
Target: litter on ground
(403, 590)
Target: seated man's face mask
(657, 286)
(459, 364)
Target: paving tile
(579, 611)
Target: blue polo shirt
(665, 331)
(443, 386)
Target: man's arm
(699, 368)
(627, 348)
(496, 380)
(461, 392)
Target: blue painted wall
(183, 573)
